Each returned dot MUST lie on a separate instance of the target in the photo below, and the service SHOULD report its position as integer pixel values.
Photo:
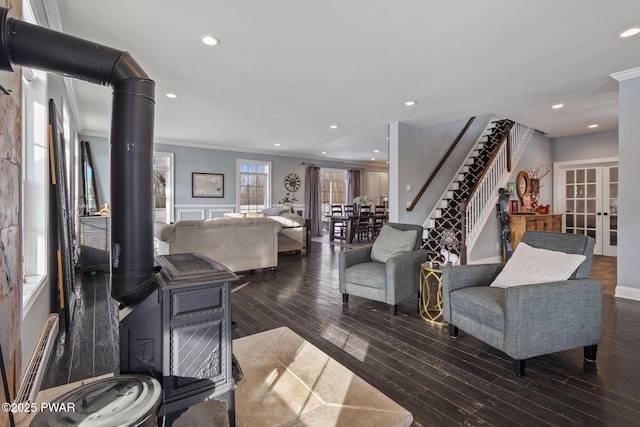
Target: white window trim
(31, 290)
(268, 196)
(34, 284)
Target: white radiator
(32, 379)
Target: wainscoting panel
(193, 212)
(218, 212)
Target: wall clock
(292, 182)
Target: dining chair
(339, 225)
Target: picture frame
(511, 187)
(514, 207)
(207, 184)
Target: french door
(588, 196)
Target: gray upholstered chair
(528, 320)
(391, 281)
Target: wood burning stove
(181, 333)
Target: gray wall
(419, 151)
(196, 159)
(629, 202)
(595, 145)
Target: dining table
(350, 220)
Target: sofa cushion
(370, 274)
(529, 265)
(484, 304)
(391, 242)
(233, 215)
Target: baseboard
(627, 292)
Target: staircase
(475, 185)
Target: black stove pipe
(131, 138)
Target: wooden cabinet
(542, 222)
(95, 240)
(376, 186)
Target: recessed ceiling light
(593, 126)
(324, 152)
(629, 32)
(210, 40)
(171, 95)
(373, 158)
(410, 103)
(333, 127)
(556, 106)
(376, 151)
(277, 144)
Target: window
(254, 185)
(35, 157)
(334, 188)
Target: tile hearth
(288, 381)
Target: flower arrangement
(537, 174)
(362, 200)
(535, 177)
(289, 198)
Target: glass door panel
(610, 211)
(591, 205)
(581, 201)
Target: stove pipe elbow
(131, 138)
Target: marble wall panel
(10, 265)
(9, 193)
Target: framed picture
(511, 186)
(207, 184)
(514, 207)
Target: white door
(589, 200)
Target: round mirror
(523, 184)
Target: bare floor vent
(33, 376)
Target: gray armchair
(389, 282)
(529, 320)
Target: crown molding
(626, 74)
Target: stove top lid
(191, 269)
(124, 400)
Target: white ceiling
(287, 69)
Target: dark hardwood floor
(91, 346)
(441, 381)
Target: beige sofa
(291, 238)
(238, 243)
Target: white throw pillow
(529, 265)
(391, 242)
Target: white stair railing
(479, 207)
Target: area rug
(290, 382)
